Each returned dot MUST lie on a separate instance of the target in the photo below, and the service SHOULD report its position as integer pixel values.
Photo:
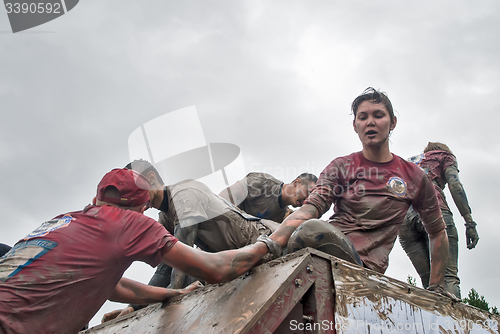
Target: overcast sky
(275, 78)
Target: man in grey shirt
(264, 196)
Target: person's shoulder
(114, 217)
(343, 163)
(439, 155)
(399, 159)
(411, 167)
(260, 175)
(90, 210)
(414, 173)
(126, 214)
(192, 188)
(260, 179)
(266, 176)
(73, 213)
(187, 184)
(139, 221)
(355, 156)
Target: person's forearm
(129, 291)
(293, 221)
(125, 290)
(439, 257)
(215, 267)
(458, 193)
(234, 263)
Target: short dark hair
(436, 146)
(374, 96)
(306, 178)
(144, 167)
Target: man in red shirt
(78, 258)
(441, 167)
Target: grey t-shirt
(263, 198)
(220, 226)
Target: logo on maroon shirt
(397, 186)
(50, 226)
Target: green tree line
(472, 298)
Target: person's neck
(283, 199)
(377, 154)
(157, 197)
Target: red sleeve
(448, 160)
(144, 239)
(324, 192)
(426, 204)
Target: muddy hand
(126, 311)
(193, 286)
(110, 316)
(471, 235)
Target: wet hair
(144, 167)
(306, 178)
(374, 96)
(436, 146)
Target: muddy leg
(451, 280)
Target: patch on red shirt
(50, 226)
(397, 186)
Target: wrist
(471, 224)
(468, 218)
(273, 247)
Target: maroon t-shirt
(56, 278)
(434, 163)
(371, 200)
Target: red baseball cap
(132, 187)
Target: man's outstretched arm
(209, 267)
(458, 193)
(214, 267)
(130, 291)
